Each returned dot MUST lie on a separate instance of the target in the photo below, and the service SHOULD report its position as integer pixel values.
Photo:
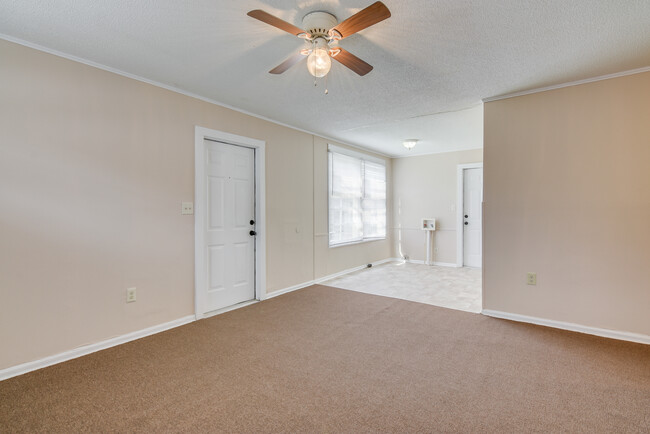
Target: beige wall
(567, 195)
(425, 187)
(93, 168)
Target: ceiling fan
(323, 31)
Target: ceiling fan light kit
(323, 31)
(318, 61)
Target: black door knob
(465, 215)
(466, 223)
(252, 233)
(253, 221)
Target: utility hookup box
(428, 224)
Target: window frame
(363, 157)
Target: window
(357, 197)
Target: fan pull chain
(316, 84)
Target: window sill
(352, 243)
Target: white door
(229, 220)
(472, 198)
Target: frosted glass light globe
(410, 143)
(319, 62)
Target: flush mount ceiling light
(410, 143)
(323, 31)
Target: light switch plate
(130, 295)
(187, 208)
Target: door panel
(215, 202)
(230, 208)
(242, 254)
(215, 265)
(472, 198)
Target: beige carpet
(329, 360)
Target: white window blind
(357, 198)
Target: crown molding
(568, 84)
(421, 154)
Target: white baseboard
(325, 278)
(606, 333)
(445, 264)
(351, 270)
(87, 349)
(418, 261)
(289, 289)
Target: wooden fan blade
(373, 14)
(287, 63)
(353, 62)
(267, 18)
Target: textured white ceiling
(432, 58)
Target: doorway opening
(229, 221)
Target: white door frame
(460, 202)
(200, 272)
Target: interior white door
(230, 209)
(472, 198)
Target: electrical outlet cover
(531, 278)
(187, 208)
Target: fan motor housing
(318, 23)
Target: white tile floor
(455, 288)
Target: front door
(230, 226)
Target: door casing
(200, 271)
